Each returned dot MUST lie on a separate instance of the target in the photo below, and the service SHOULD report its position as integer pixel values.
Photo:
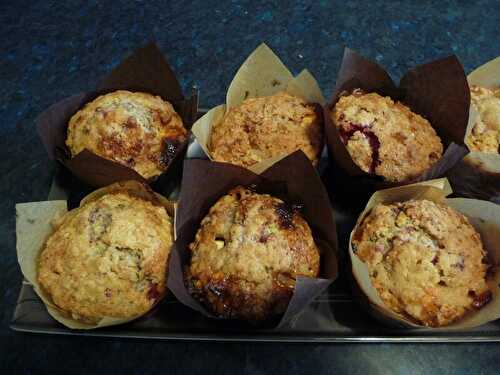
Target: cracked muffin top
(384, 137)
(107, 258)
(247, 254)
(425, 259)
(485, 135)
(262, 128)
(138, 130)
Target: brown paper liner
(437, 91)
(146, 70)
(484, 216)
(204, 182)
(478, 174)
(36, 221)
(262, 74)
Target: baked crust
(485, 135)
(138, 130)
(247, 254)
(385, 137)
(425, 259)
(107, 258)
(262, 128)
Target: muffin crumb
(425, 260)
(247, 253)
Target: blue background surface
(53, 49)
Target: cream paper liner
(487, 161)
(487, 75)
(36, 221)
(483, 215)
(262, 74)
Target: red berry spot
(153, 292)
(480, 300)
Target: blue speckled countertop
(53, 49)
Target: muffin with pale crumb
(266, 127)
(108, 258)
(425, 259)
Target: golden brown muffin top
(385, 137)
(485, 135)
(262, 128)
(107, 258)
(247, 254)
(138, 130)
(425, 259)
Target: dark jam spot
(480, 300)
(435, 260)
(153, 292)
(275, 82)
(460, 265)
(345, 135)
(285, 213)
(263, 238)
(170, 147)
(442, 283)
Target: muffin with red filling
(384, 137)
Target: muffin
(247, 254)
(425, 259)
(485, 135)
(138, 130)
(384, 137)
(107, 258)
(262, 128)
